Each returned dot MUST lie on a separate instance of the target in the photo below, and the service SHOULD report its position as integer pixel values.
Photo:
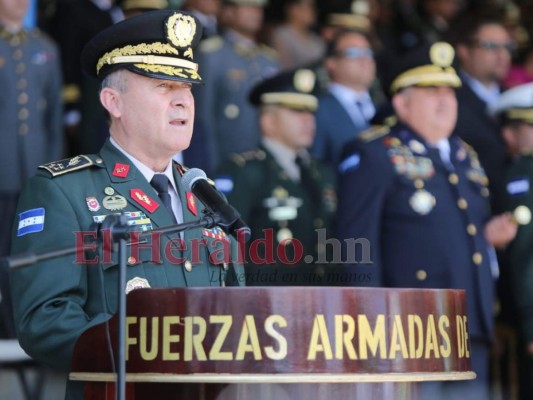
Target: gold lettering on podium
(215, 352)
(372, 339)
(248, 341)
(194, 340)
(462, 336)
(415, 322)
(343, 338)
(319, 339)
(444, 324)
(397, 341)
(169, 338)
(130, 341)
(151, 354)
(281, 353)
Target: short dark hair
(331, 48)
(465, 28)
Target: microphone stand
(119, 229)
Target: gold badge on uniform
(304, 80)
(441, 54)
(136, 283)
(181, 29)
(115, 202)
(92, 203)
(417, 147)
(422, 202)
(109, 191)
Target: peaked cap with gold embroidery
(426, 66)
(291, 89)
(158, 44)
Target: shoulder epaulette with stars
(56, 168)
(373, 133)
(211, 44)
(242, 158)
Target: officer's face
(12, 11)
(245, 19)
(352, 64)
(153, 118)
(519, 138)
(488, 57)
(294, 129)
(429, 111)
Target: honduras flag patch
(31, 221)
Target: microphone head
(190, 177)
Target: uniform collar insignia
(191, 203)
(121, 170)
(144, 200)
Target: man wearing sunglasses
(484, 51)
(347, 106)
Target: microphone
(195, 181)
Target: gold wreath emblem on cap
(304, 80)
(441, 54)
(181, 29)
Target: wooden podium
(280, 342)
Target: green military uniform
(515, 110)
(520, 252)
(57, 300)
(277, 208)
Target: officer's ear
(110, 99)
(399, 102)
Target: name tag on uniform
(518, 186)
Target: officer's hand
(500, 230)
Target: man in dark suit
(146, 68)
(347, 107)
(484, 54)
(415, 198)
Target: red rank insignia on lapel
(191, 203)
(121, 170)
(144, 200)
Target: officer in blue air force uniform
(147, 69)
(418, 197)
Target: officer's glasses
(489, 45)
(356, 52)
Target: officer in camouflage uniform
(231, 65)
(515, 109)
(285, 196)
(418, 196)
(147, 67)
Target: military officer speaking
(146, 68)
(418, 195)
(515, 111)
(279, 189)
